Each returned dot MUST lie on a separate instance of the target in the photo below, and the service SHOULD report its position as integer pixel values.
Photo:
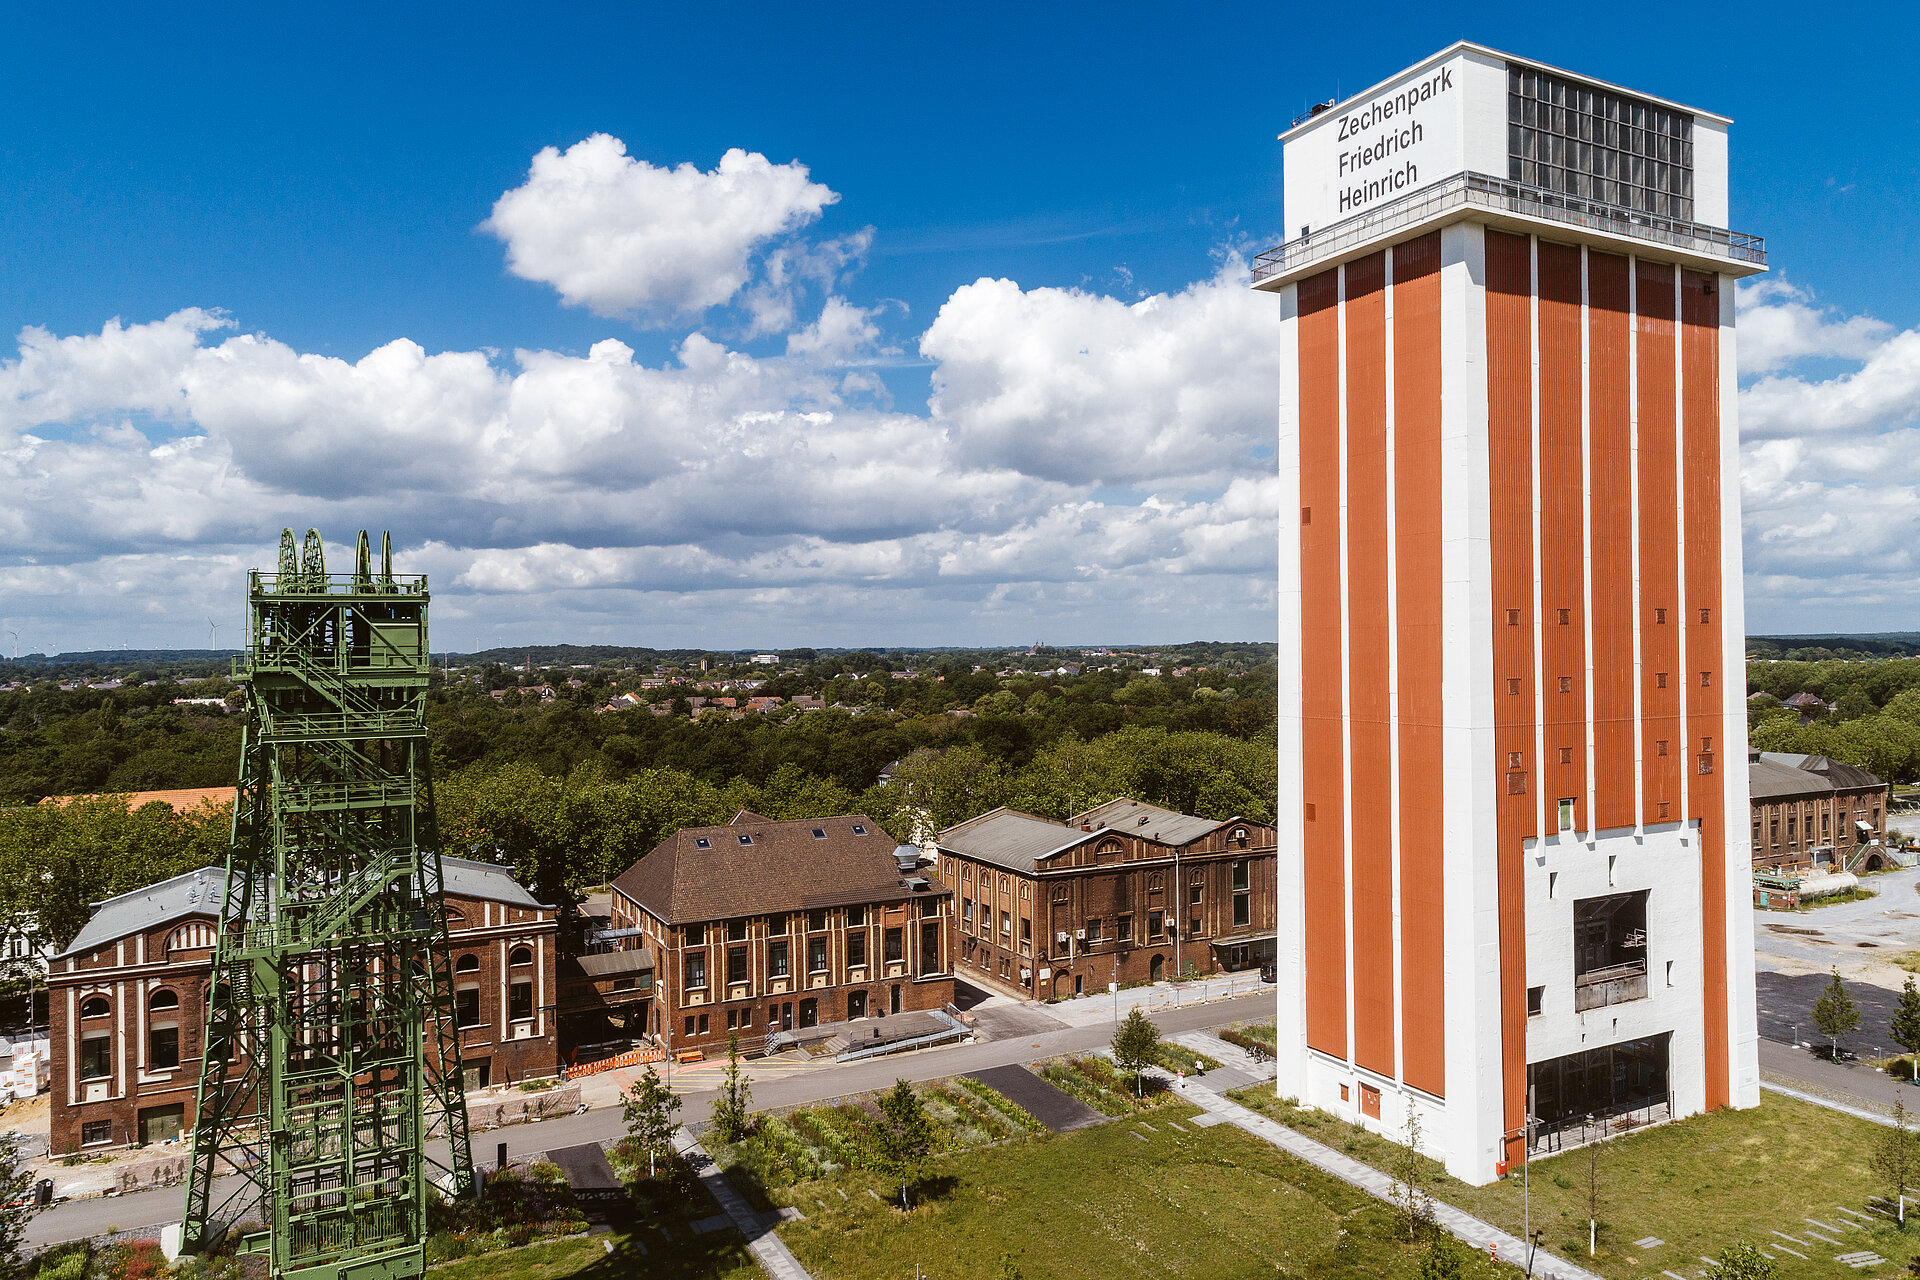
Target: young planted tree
(1591, 1194)
(1134, 1045)
(1835, 1014)
(1906, 1026)
(732, 1103)
(648, 1108)
(906, 1136)
(1896, 1157)
(1407, 1168)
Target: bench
(690, 1055)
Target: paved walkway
(1053, 1107)
(767, 1248)
(1462, 1225)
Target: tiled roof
(1010, 839)
(487, 882)
(192, 893)
(186, 799)
(1135, 818)
(1779, 775)
(1019, 841)
(778, 867)
(195, 893)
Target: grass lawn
(1699, 1184)
(720, 1256)
(1102, 1204)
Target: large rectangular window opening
(1598, 1085)
(1609, 950)
(1597, 145)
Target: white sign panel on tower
(1408, 133)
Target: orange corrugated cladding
(1369, 682)
(1563, 586)
(1700, 467)
(1322, 747)
(1610, 464)
(1510, 532)
(1417, 635)
(1662, 744)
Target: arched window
(467, 964)
(164, 1000)
(1240, 835)
(520, 956)
(1153, 882)
(196, 936)
(96, 1007)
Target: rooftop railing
(1480, 190)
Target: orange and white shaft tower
(1513, 838)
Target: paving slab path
(768, 1249)
(1458, 1223)
(1055, 1108)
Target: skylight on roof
(859, 830)
(703, 842)
(746, 839)
(819, 834)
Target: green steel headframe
(330, 1100)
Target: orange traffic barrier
(633, 1058)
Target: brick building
(128, 1000)
(759, 926)
(1814, 811)
(1125, 892)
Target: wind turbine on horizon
(215, 628)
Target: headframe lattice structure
(332, 1066)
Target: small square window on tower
(1660, 747)
(1536, 997)
(1706, 615)
(1513, 684)
(1515, 759)
(1660, 617)
(1566, 755)
(1566, 684)
(1513, 617)
(1659, 679)
(1566, 813)
(1706, 679)
(1566, 616)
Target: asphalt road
(79, 1219)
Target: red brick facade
(834, 931)
(1113, 904)
(128, 1011)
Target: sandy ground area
(1862, 939)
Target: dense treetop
(545, 778)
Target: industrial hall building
(1125, 892)
(1813, 811)
(128, 1000)
(1512, 744)
(762, 926)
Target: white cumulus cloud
(622, 237)
(1086, 389)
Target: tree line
(564, 831)
(1873, 721)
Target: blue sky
(321, 182)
